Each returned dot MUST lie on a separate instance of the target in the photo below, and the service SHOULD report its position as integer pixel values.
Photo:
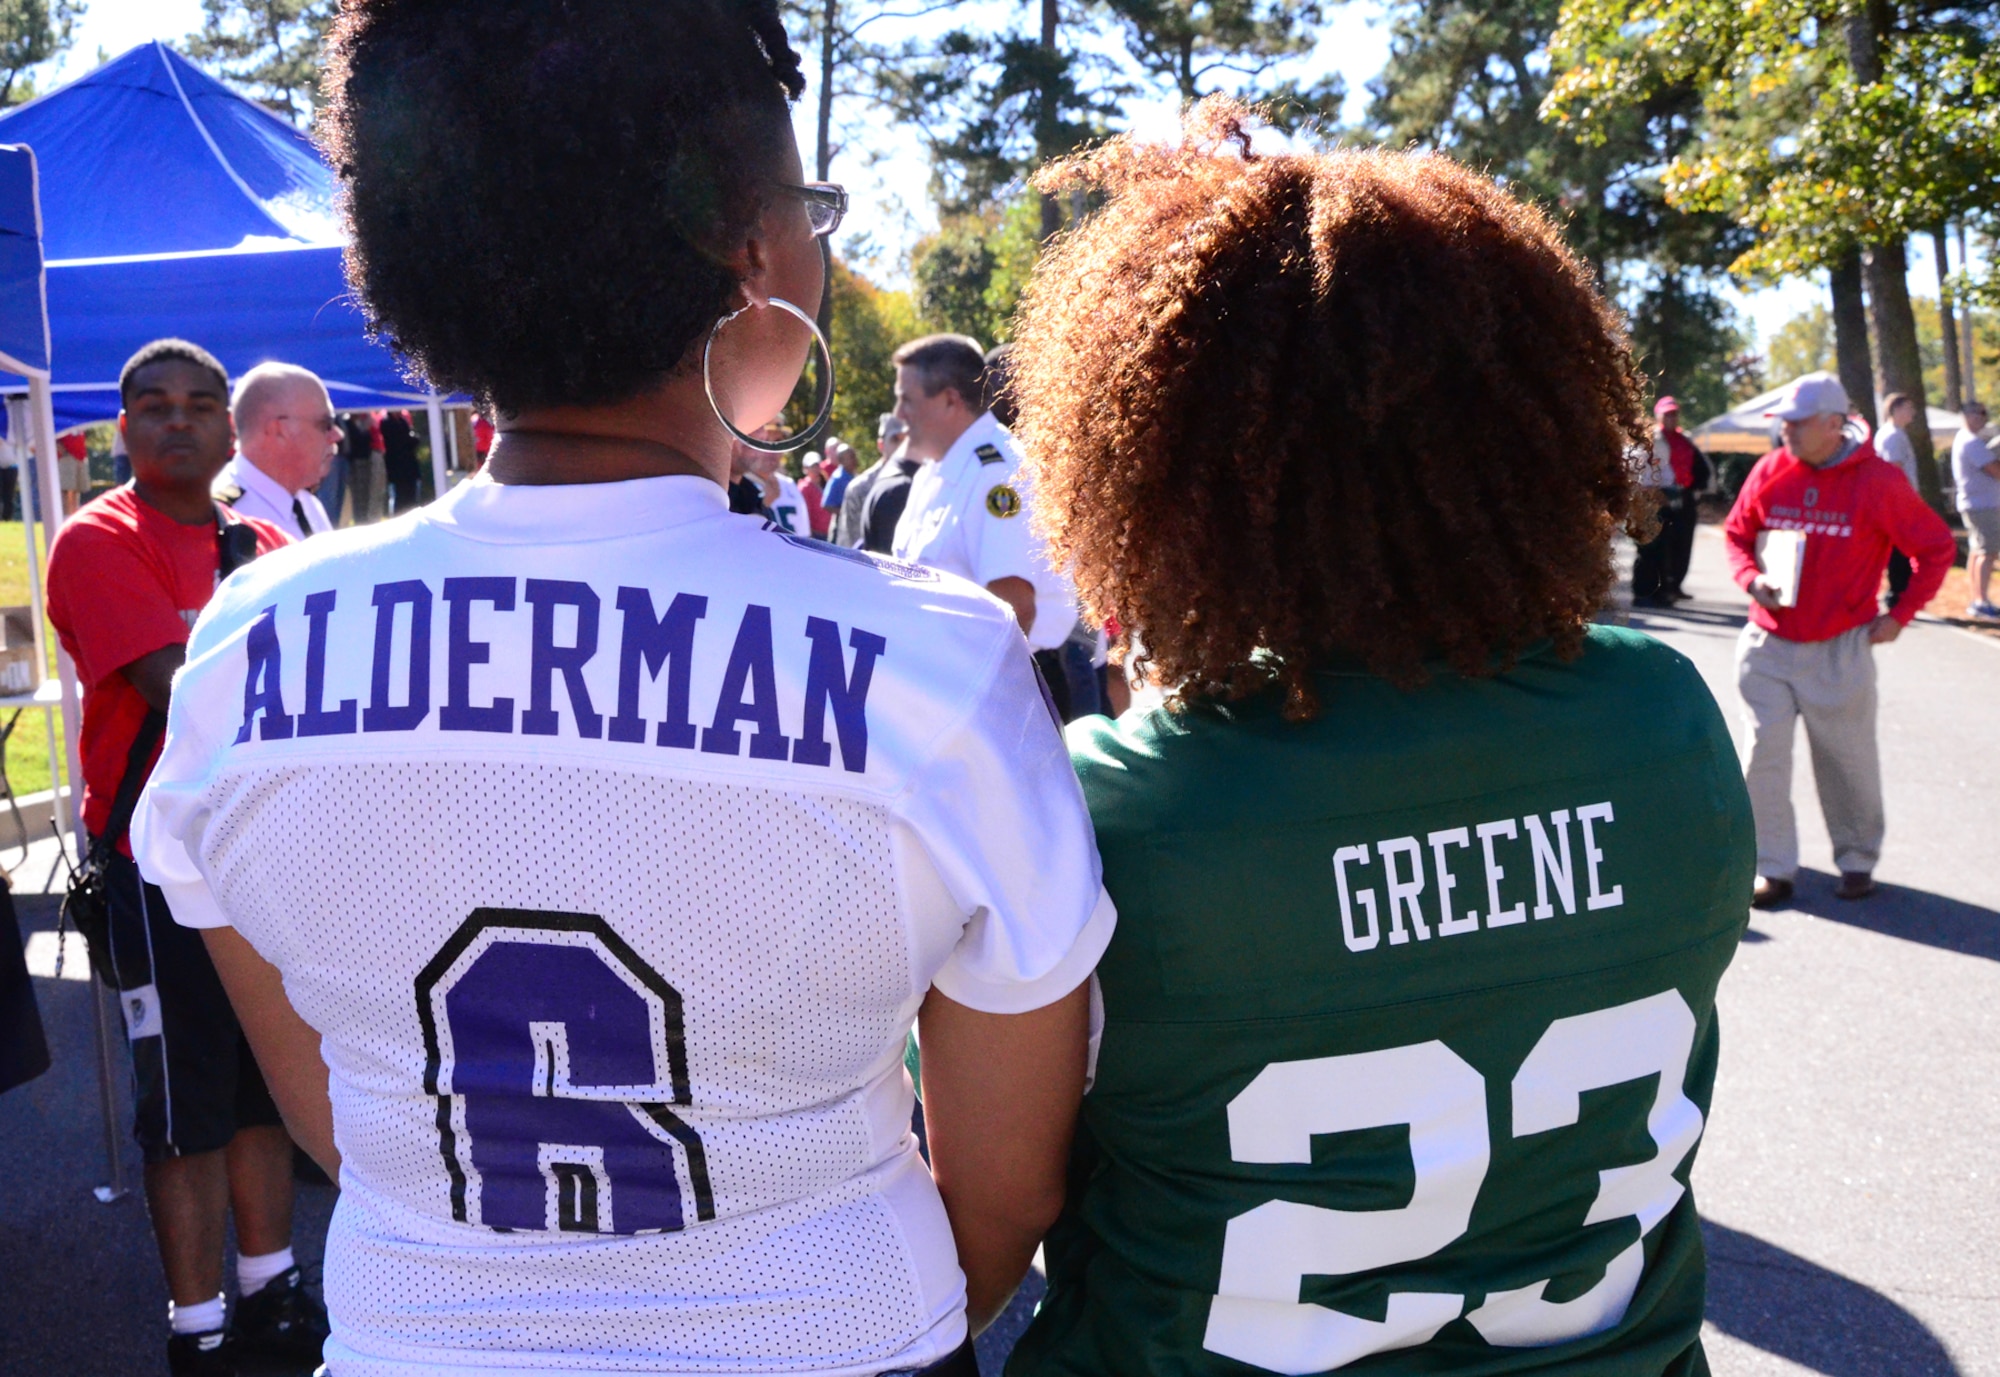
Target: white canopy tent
(1745, 429)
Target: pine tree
(32, 32)
(269, 47)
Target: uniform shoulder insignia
(1003, 502)
(989, 454)
(226, 492)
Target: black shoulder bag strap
(126, 800)
(235, 542)
(87, 904)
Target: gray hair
(264, 387)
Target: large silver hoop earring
(806, 435)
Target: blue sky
(888, 181)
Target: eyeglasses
(826, 205)
(326, 423)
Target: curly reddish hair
(1282, 408)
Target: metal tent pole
(433, 406)
(21, 432)
(42, 418)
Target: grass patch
(28, 744)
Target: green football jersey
(1410, 1028)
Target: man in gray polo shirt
(1977, 475)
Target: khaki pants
(1831, 684)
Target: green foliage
(868, 326)
(32, 32)
(1181, 43)
(1686, 339)
(969, 276)
(1820, 131)
(991, 107)
(1986, 349)
(269, 47)
(1471, 78)
(1804, 344)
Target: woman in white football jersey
(456, 797)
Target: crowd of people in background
(1349, 655)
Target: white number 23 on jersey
(1257, 1317)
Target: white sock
(204, 1318)
(253, 1272)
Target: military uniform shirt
(248, 489)
(968, 514)
(612, 1092)
(1409, 1028)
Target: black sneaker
(281, 1320)
(201, 1355)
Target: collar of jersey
(570, 513)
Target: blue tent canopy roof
(24, 317)
(150, 155)
(171, 205)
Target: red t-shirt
(1680, 449)
(817, 516)
(126, 580)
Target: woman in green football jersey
(1424, 880)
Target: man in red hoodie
(1814, 658)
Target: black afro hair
(542, 194)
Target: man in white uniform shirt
(286, 437)
(968, 509)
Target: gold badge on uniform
(1003, 502)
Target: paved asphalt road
(1850, 1165)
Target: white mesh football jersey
(614, 1093)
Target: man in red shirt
(1682, 514)
(127, 577)
(1812, 655)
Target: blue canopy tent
(24, 349)
(174, 206)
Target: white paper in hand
(1782, 557)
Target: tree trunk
(1899, 365)
(1967, 359)
(823, 151)
(823, 164)
(1850, 333)
(1947, 323)
(1045, 119)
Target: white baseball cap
(1816, 394)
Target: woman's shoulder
(1623, 697)
(1625, 661)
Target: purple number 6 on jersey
(554, 1053)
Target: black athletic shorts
(195, 1082)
